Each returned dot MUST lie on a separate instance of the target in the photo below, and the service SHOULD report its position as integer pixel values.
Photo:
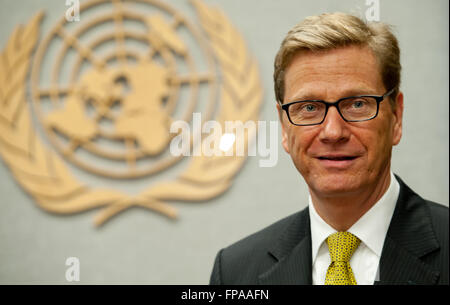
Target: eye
(309, 107)
(358, 104)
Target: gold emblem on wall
(111, 94)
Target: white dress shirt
(371, 229)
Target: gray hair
(333, 30)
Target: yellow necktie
(341, 246)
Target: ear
(283, 120)
(398, 117)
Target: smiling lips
(337, 158)
(339, 161)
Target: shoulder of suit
(439, 215)
(261, 240)
(438, 211)
(243, 261)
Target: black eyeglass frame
(378, 98)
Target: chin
(335, 184)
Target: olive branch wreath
(42, 173)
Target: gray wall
(142, 247)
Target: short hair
(334, 30)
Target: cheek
(299, 143)
(378, 144)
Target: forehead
(332, 74)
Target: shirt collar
(371, 228)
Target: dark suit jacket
(415, 250)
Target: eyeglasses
(352, 109)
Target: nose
(334, 128)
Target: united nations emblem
(103, 93)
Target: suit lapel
(293, 254)
(410, 237)
(398, 266)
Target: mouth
(339, 162)
(338, 158)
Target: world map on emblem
(106, 89)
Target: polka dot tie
(341, 246)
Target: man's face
(337, 157)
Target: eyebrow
(347, 93)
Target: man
(337, 85)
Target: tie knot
(342, 245)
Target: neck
(343, 211)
